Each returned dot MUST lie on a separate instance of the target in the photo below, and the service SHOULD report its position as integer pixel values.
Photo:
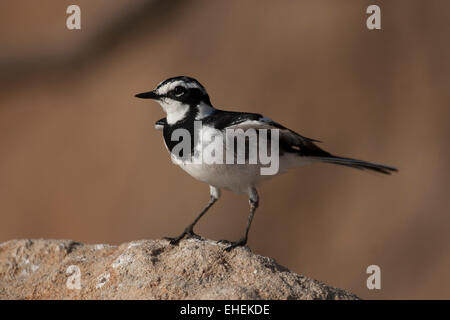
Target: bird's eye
(179, 91)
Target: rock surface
(148, 269)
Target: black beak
(148, 95)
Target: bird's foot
(240, 243)
(174, 240)
(224, 241)
(188, 233)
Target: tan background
(80, 158)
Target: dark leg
(189, 230)
(254, 202)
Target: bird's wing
(159, 125)
(290, 141)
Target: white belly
(235, 177)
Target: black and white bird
(185, 101)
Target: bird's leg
(189, 230)
(254, 203)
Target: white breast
(235, 177)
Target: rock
(148, 269)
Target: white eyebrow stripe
(172, 85)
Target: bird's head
(181, 97)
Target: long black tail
(357, 164)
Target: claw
(193, 235)
(242, 242)
(174, 240)
(188, 232)
(224, 241)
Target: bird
(186, 103)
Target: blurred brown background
(80, 158)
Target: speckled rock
(148, 269)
